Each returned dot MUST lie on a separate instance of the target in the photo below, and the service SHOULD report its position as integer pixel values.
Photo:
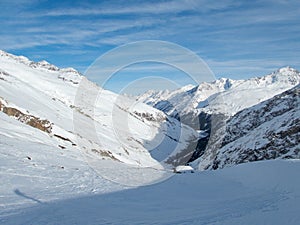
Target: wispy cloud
(144, 7)
(229, 34)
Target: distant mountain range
(244, 119)
(224, 95)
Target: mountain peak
(287, 70)
(45, 65)
(43, 62)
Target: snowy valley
(74, 153)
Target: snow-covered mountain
(208, 106)
(268, 130)
(57, 102)
(225, 96)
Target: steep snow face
(125, 131)
(265, 131)
(223, 96)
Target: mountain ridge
(195, 95)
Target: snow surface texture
(255, 193)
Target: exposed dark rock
(276, 143)
(41, 124)
(62, 138)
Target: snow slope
(32, 163)
(254, 193)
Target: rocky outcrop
(3, 75)
(41, 124)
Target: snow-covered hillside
(34, 164)
(268, 130)
(44, 96)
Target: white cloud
(217, 29)
(173, 6)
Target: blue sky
(237, 39)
